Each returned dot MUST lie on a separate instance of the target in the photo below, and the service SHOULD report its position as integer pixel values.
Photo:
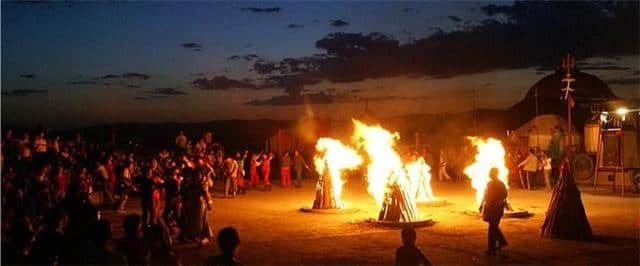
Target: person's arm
(424, 260)
(523, 162)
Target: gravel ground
(274, 231)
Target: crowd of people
(55, 192)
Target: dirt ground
(274, 231)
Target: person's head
(408, 236)
(131, 225)
(532, 150)
(296, 153)
(228, 240)
(493, 173)
(181, 133)
(238, 155)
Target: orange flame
(386, 168)
(490, 154)
(338, 158)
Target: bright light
(622, 111)
(490, 154)
(603, 117)
(337, 157)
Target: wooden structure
(397, 207)
(566, 218)
(325, 198)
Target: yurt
(538, 131)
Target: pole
(569, 124)
(535, 119)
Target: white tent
(538, 131)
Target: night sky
(77, 64)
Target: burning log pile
(331, 159)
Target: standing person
(111, 181)
(254, 163)
(442, 170)
(240, 159)
(126, 184)
(546, 170)
(409, 253)
(100, 184)
(493, 204)
(132, 246)
(285, 171)
(230, 177)
(40, 150)
(298, 165)
(181, 142)
(172, 198)
(530, 166)
(266, 170)
(196, 201)
(147, 191)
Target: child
(409, 254)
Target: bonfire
(394, 185)
(490, 154)
(331, 159)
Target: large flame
(420, 177)
(337, 158)
(490, 154)
(386, 169)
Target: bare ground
(274, 231)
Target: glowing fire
(420, 177)
(337, 158)
(490, 154)
(386, 169)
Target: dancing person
(240, 159)
(230, 177)
(254, 163)
(126, 185)
(181, 142)
(442, 170)
(409, 253)
(492, 207)
(266, 170)
(285, 171)
(298, 165)
(172, 198)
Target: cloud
(134, 75)
(409, 9)
(191, 45)
(165, 92)
(247, 57)
(133, 86)
(295, 26)
(339, 23)
(23, 92)
(28, 76)
(139, 98)
(327, 97)
(492, 45)
(261, 10)
(454, 18)
(623, 81)
(222, 83)
(109, 76)
(82, 82)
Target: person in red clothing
(285, 170)
(266, 170)
(254, 163)
(62, 180)
(111, 182)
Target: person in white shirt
(546, 169)
(530, 167)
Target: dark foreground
(274, 231)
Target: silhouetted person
(492, 207)
(104, 255)
(409, 253)
(132, 245)
(159, 245)
(46, 248)
(228, 241)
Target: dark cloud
(601, 66)
(295, 26)
(409, 9)
(109, 76)
(191, 45)
(326, 97)
(134, 75)
(133, 86)
(200, 74)
(577, 27)
(247, 57)
(624, 81)
(222, 83)
(23, 92)
(454, 18)
(139, 98)
(28, 76)
(339, 23)
(261, 10)
(165, 92)
(82, 82)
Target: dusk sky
(78, 64)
